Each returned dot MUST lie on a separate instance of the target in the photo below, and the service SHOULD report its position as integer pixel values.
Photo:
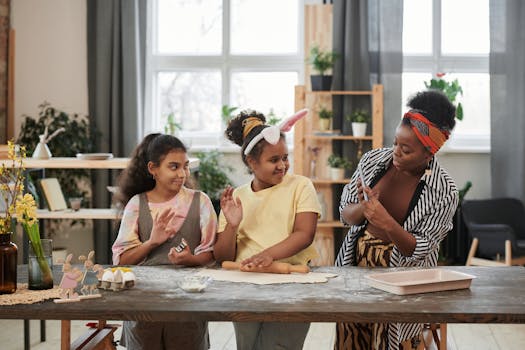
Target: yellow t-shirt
(269, 216)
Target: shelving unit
(306, 138)
(75, 163)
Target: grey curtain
(116, 37)
(368, 36)
(507, 98)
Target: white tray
(419, 281)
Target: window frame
(438, 62)
(224, 62)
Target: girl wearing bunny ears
(274, 217)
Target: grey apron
(167, 335)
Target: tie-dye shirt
(128, 235)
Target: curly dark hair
(436, 107)
(235, 129)
(136, 177)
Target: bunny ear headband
(272, 133)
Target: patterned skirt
(370, 252)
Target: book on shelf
(53, 194)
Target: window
(451, 36)
(204, 54)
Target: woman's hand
(161, 231)
(380, 221)
(231, 208)
(260, 260)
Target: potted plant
(213, 177)
(325, 119)
(359, 118)
(338, 165)
(450, 88)
(321, 62)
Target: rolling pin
(275, 267)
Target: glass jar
(8, 264)
(40, 269)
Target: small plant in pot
(359, 118)
(213, 176)
(338, 166)
(325, 119)
(321, 62)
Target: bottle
(8, 264)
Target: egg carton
(117, 279)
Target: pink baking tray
(419, 281)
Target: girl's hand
(231, 208)
(161, 231)
(180, 258)
(262, 259)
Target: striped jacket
(429, 219)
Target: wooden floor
(321, 335)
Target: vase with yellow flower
(40, 262)
(11, 185)
(13, 203)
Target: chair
(497, 229)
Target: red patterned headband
(429, 134)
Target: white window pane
(475, 101)
(417, 27)
(465, 27)
(264, 92)
(264, 27)
(192, 27)
(194, 98)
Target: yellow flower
(25, 209)
(11, 184)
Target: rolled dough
(265, 278)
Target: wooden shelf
(334, 93)
(84, 213)
(329, 182)
(75, 163)
(330, 224)
(338, 137)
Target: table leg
(42, 330)
(65, 339)
(27, 335)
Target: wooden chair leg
(472, 251)
(443, 336)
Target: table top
(497, 295)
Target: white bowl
(194, 284)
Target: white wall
(474, 167)
(50, 56)
(51, 65)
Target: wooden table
(497, 295)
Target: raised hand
(161, 231)
(231, 208)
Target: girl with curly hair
(161, 212)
